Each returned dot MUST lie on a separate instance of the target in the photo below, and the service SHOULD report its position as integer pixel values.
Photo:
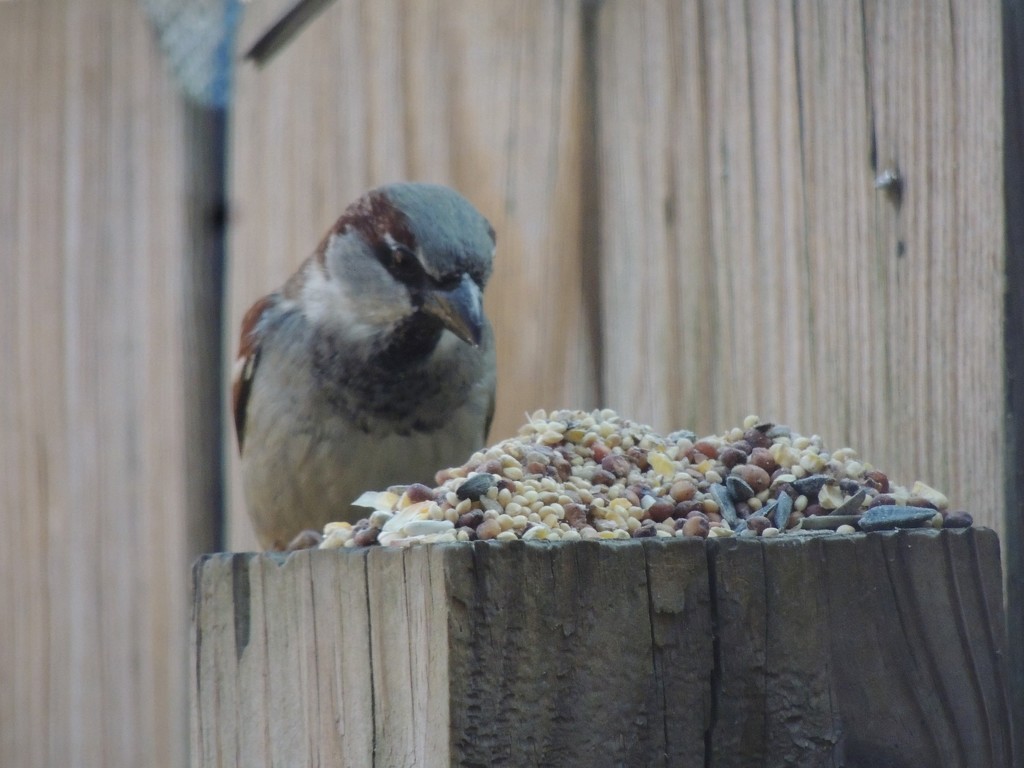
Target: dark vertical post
(590, 191)
(206, 206)
(198, 41)
(1013, 340)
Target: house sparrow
(373, 365)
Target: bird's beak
(460, 309)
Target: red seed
(687, 507)
(754, 476)
(762, 457)
(696, 526)
(730, 457)
(877, 480)
(617, 464)
(645, 531)
(707, 448)
(758, 524)
(562, 468)
(366, 537)
(742, 445)
(639, 457)
(661, 510)
(471, 519)
(576, 515)
(418, 492)
(757, 438)
(682, 490)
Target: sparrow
(372, 366)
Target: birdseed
(573, 475)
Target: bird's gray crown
(435, 222)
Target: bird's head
(404, 256)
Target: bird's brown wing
(245, 364)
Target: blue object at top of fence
(198, 41)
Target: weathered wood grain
(578, 655)
(859, 651)
(372, 92)
(740, 718)
(863, 651)
(739, 146)
(483, 655)
(93, 564)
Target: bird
(372, 366)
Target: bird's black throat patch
(413, 341)
(398, 385)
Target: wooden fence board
(35, 349)
(766, 272)
(93, 564)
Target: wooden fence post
(882, 648)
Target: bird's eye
(448, 283)
(401, 263)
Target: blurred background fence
(694, 223)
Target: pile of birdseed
(572, 475)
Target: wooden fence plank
(34, 344)
(768, 272)
(93, 392)
(421, 90)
